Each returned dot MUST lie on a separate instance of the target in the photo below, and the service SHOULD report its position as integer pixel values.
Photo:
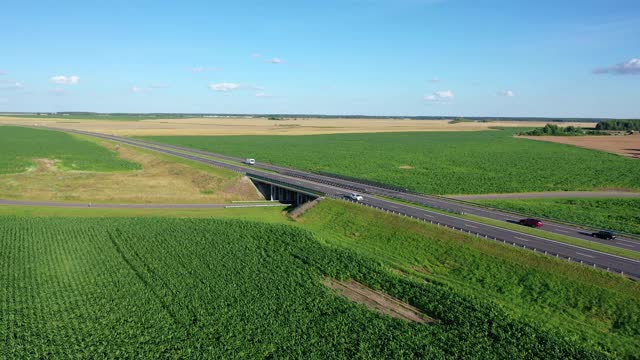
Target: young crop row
(19, 146)
(203, 288)
(435, 163)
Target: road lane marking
(519, 238)
(471, 226)
(629, 241)
(589, 256)
(631, 246)
(564, 231)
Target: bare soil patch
(627, 145)
(264, 126)
(377, 301)
(406, 167)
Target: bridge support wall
(277, 193)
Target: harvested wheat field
(264, 126)
(627, 145)
(162, 180)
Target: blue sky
(375, 57)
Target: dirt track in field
(627, 145)
(263, 126)
(377, 300)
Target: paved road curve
(332, 188)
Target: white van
(250, 161)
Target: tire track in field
(140, 277)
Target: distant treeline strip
(620, 125)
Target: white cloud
(276, 61)
(224, 87)
(434, 80)
(255, 55)
(263, 95)
(65, 80)
(198, 69)
(506, 93)
(631, 67)
(136, 89)
(444, 96)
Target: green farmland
(436, 162)
(614, 214)
(215, 288)
(19, 146)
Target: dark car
(604, 234)
(531, 222)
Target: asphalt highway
(447, 204)
(339, 188)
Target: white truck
(356, 197)
(250, 161)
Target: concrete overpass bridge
(281, 191)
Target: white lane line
(626, 245)
(519, 238)
(629, 241)
(589, 256)
(564, 231)
(427, 215)
(471, 226)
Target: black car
(604, 234)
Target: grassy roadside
(554, 293)
(619, 214)
(247, 167)
(158, 178)
(216, 171)
(264, 214)
(531, 231)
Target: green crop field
(614, 214)
(436, 162)
(19, 146)
(598, 309)
(215, 288)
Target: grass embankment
(206, 288)
(264, 214)
(614, 250)
(436, 163)
(615, 214)
(600, 309)
(76, 168)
